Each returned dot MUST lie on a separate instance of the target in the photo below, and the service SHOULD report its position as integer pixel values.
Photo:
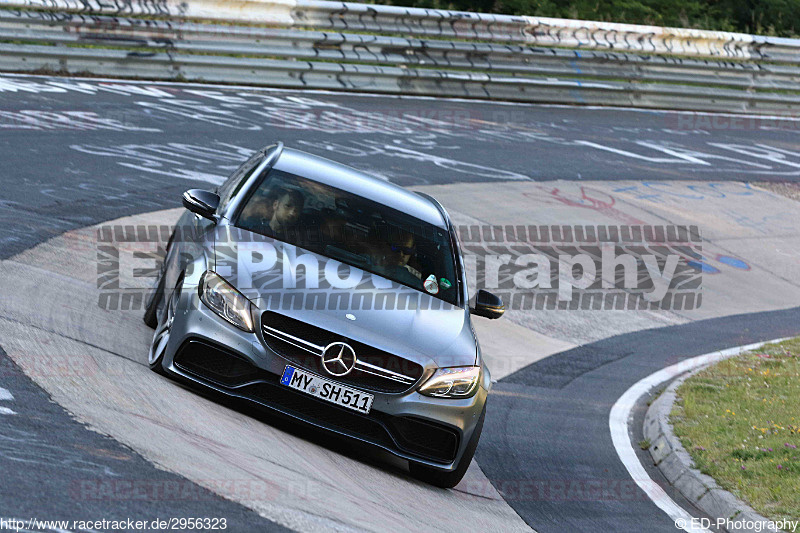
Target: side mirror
(488, 305)
(200, 202)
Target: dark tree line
(765, 17)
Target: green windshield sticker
(444, 283)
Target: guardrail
(463, 54)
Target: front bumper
(205, 350)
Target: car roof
(351, 180)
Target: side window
(232, 185)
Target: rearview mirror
(488, 305)
(200, 202)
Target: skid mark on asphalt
(26, 447)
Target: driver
(400, 251)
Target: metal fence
(405, 51)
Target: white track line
(255, 88)
(621, 413)
(6, 395)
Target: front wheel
(158, 347)
(153, 303)
(151, 308)
(444, 479)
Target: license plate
(326, 390)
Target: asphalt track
(580, 484)
(76, 153)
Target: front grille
(302, 344)
(412, 436)
(298, 328)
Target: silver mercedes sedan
(332, 297)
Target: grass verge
(740, 421)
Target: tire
(444, 479)
(158, 346)
(151, 308)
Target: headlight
(455, 382)
(227, 302)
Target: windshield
(353, 230)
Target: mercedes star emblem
(338, 359)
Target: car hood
(375, 311)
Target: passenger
(286, 211)
(257, 214)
